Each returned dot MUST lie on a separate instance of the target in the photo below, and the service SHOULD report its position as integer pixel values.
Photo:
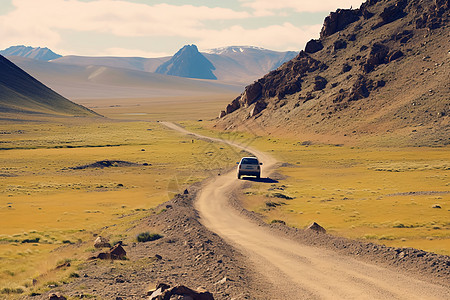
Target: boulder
(164, 292)
(259, 106)
(56, 296)
(320, 83)
(101, 242)
(222, 114)
(377, 56)
(116, 252)
(316, 227)
(234, 105)
(395, 55)
(339, 44)
(251, 94)
(359, 89)
(313, 46)
(346, 68)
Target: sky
(155, 28)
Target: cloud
(270, 7)
(275, 37)
(32, 21)
(51, 22)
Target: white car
(249, 166)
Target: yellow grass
(360, 193)
(41, 196)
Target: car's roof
(249, 157)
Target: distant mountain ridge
(235, 64)
(38, 53)
(22, 93)
(188, 62)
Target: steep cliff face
(381, 69)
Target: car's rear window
(249, 161)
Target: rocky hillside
(188, 62)
(38, 53)
(378, 73)
(21, 93)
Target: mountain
(21, 93)
(95, 82)
(38, 53)
(245, 63)
(131, 63)
(188, 62)
(236, 64)
(378, 74)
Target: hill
(188, 62)
(38, 53)
(95, 82)
(234, 64)
(21, 93)
(377, 74)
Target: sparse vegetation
(147, 237)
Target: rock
(251, 94)
(234, 105)
(393, 12)
(377, 56)
(320, 83)
(186, 192)
(436, 206)
(346, 68)
(339, 44)
(313, 46)
(222, 114)
(101, 242)
(163, 292)
(117, 252)
(359, 89)
(338, 20)
(316, 227)
(56, 296)
(259, 106)
(222, 281)
(396, 55)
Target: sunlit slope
(20, 92)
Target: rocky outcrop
(319, 83)
(101, 242)
(286, 80)
(116, 252)
(392, 13)
(313, 46)
(338, 20)
(377, 56)
(165, 292)
(436, 15)
(316, 227)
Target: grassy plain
(397, 196)
(50, 212)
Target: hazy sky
(152, 28)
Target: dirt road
(298, 271)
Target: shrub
(11, 291)
(147, 236)
(35, 240)
(74, 275)
(278, 221)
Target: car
(249, 166)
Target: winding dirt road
(298, 271)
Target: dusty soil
(221, 247)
